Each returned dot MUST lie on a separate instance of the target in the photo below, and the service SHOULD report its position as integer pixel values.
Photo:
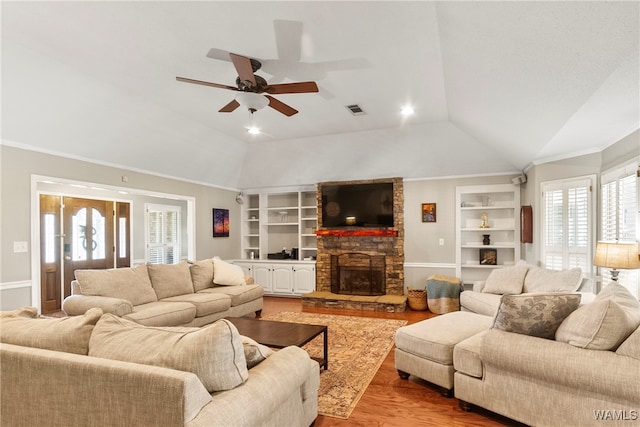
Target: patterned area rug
(357, 348)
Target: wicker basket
(417, 299)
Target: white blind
(619, 216)
(566, 224)
(163, 236)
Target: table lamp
(617, 255)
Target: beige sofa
(484, 298)
(98, 370)
(543, 360)
(185, 294)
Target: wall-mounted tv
(357, 205)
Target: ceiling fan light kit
(252, 101)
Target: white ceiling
(496, 86)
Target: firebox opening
(356, 273)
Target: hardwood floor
(390, 401)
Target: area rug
(357, 348)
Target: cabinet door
(246, 268)
(262, 276)
(304, 279)
(282, 279)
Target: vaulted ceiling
(496, 86)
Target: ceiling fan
(255, 91)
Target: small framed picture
(428, 212)
(220, 222)
(488, 257)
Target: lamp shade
(623, 255)
(252, 101)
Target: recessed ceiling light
(407, 110)
(253, 130)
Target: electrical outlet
(19, 247)
(441, 242)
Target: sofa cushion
(169, 280)
(132, 284)
(214, 353)
(545, 280)
(205, 303)
(631, 346)
(239, 294)
(254, 352)
(506, 280)
(28, 312)
(466, 355)
(480, 302)
(227, 274)
(603, 324)
(537, 315)
(202, 274)
(67, 334)
(163, 313)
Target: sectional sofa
(184, 294)
(103, 370)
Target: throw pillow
(67, 334)
(545, 280)
(28, 312)
(202, 274)
(227, 274)
(132, 284)
(214, 353)
(537, 315)
(170, 280)
(505, 281)
(604, 323)
(631, 346)
(254, 352)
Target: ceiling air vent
(356, 110)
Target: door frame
(98, 191)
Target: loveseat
(484, 298)
(103, 370)
(544, 359)
(183, 294)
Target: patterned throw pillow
(254, 352)
(537, 315)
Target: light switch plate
(19, 247)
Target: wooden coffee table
(282, 334)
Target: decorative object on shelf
(220, 222)
(486, 239)
(488, 257)
(284, 216)
(428, 212)
(484, 220)
(486, 201)
(617, 255)
(526, 224)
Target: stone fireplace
(360, 263)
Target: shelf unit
(501, 205)
(275, 221)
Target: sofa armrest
(76, 305)
(602, 372)
(478, 285)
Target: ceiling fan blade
(243, 67)
(299, 87)
(281, 106)
(200, 82)
(229, 107)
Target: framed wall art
(488, 257)
(220, 222)
(428, 212)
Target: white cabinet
(487, 229)
(291, 278)
(275, 221)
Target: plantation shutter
(619, 216)
(163, 237)
(566, 224)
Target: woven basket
(417, 299)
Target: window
(567, 224)
(163, 234)
(619, 216)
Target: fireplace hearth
(354, 273)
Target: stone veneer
(392, 247)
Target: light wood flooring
(390, 401)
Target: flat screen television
(357, 205)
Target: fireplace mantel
(359, 232)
